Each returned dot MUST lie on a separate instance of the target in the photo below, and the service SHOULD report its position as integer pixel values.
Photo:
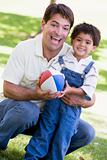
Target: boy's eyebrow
(89, 40)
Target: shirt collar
(83, 60)
(38, 45)
(39, 49)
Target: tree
(53, 1)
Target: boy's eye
(78, 39)
(88, 42)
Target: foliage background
(17, 27)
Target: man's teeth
(56, 39)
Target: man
(19, 113)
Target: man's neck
(50, 54)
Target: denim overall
(58, 123)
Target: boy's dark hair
(61, 9)
(87, 29)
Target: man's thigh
(24, 110)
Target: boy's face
(82, 45)
(55, 32)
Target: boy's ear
(94, 48)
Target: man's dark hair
(61, 9)
(87, 29)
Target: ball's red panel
(52, 80)
(44, 76)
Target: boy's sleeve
(90, 82)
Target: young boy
(59, 120)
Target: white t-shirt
(27, 63)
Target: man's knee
(25, 113)
(86, 132)
(89, 134)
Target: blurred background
(21, 19)
(92, 11)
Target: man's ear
(43, 24)
(94, 48)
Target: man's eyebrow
(55, 21)
(67, 25)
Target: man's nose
(59, 30)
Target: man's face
(55, 32)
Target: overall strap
(87, 69)
(61, 61)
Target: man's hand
(70, 99)
(44, 95)
(78, 101)
(17, 92)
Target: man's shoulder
(66, 45)
(30, 42)
(27, 42)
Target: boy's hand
(68, 89)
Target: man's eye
(67, 29)
(54, 25)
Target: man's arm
(75, 96)
(78, 101)
(17, 92)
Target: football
(53, 80)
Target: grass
(13, 29)
(3, 59)
(95, 151)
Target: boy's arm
(73, 90)
(77, 91)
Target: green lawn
(14, 28)
(95, 151)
